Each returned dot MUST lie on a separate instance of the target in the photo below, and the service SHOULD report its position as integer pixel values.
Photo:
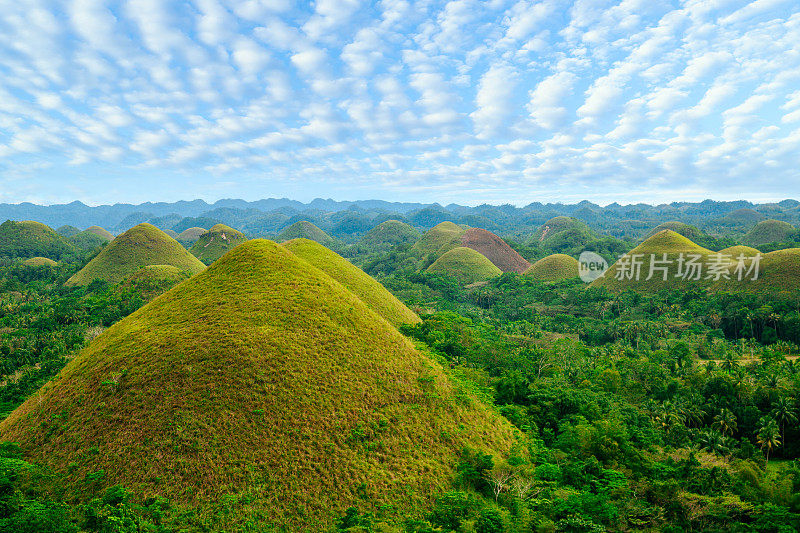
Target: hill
(390, 233)
(172, 233)
(651, 252)
(87, 240)
(439, 239)
(101, 232)
(356, 280)
(736, 251)
(688, 231)
(744, 217)
(263, 384)
(555, 267)
(768, 231)
(67, 231)
(152, 280)
(216, 242)
(304, 229)
(495, 249)
(562, 233)
(39, 261)
(466, 265)
(190, 235)
(778, 275)
(140, 246)
(31, 239)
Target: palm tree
(768, 435)
(784, 411)
(714, 441)
(729, 361)
(725, 422)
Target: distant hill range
(349, 221)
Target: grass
(190, 235)
(555, 267)
(681, 228)
(172, 233)
(735, 251)
(216, 242)
(31, 239)
(779, 276)
(466, 265)
(101, 232)
(67, 231)
(39, 261)
(495, 249)
(264, 383)
(305, 230)
(356, 280)
(390, 233)
(140, 246)
(152, 280)
(439, 239)
(557, 225)
(768, 231)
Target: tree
(715, 442)
(725, 422)
(783, 410)
(768, 435)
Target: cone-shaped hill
(778, 275)
(216, 242)
(356, 280)
(390, 233)
(101, 232)
(681, 228)
(555, 267)
(495, 249)
(261, 377)
(140, 246)
(190, 235)
(39, 262)
(304, 229)
(439, 239)
(736, 251)
(31, 239)
(768, 231)
(466, 265)
(560, 225)
(172, 233)
(67, 231)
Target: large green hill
(495, 249)
(439, 239)
(101, 232)
(356, 280)
(31, 239)
(768, 231)
(466, 265)
(304, 229)
(390, 233)
(561, 232)
(216, 242)
(555, 267)
(681, 228)
(140, 246)
(264, 384)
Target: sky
(467, 101)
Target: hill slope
(31, 239)
(495, 249)
(356, 280)
(390, 233)
(768, 231)
(190, 235)
(439, 239)
(555, 267)
(216, 242)
(265, 379)
(140, 246)
(304, 229)
(101, 232)
(152, 280)
(466, 265)
(681, 228)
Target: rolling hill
(356, 280)
(140, 246)
(495, 249)
(190, 235)
(390, 233)
(31, 239)
(39, 262)
(555, 267)
(67, 231)
(216, 242)
(561, 232)
(688, 231)
(768, 231)
(264, 383)
(465, 265)
(304, 229)
(439, 239)
(101, 232)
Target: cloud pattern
(466, 100)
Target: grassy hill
(495, 249)
(304, 229)
(665, 242)
(742, 218)
(562, 233)
(439, 239)
(466, 265)
(31, 239)
(555, 267)
(140, 246)
(101, 232)
(87, 240)
(172, 233)
(39, 261)
(67, 231)
(152, 280)
(216, 242)
(190, 235)
(778, 275)
(356, 280)
(263, 395)
(768, 231)
(688, 231)
(736, 251)
(390, 233)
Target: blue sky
(466, 101)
